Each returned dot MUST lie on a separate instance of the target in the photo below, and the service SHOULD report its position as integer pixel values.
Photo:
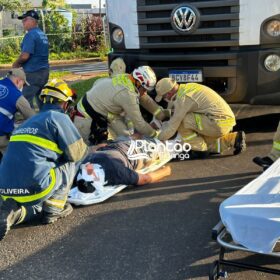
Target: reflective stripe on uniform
(111, 116)
(81, 108)
(123, 80)
(276, 145)
(6, 113)
(56, 203)
(190, 137)
(22, 215)
(158, 110)
(130, 124)
(37, 196)
(218, 145)
(186, 89)
(226, 122)
(155, 134)
(182, 91)
(198, 121)
(41, 142)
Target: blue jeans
(37, 81)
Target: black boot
(10, 213)
(1, 155)
(49, 218)
(263, 162)
(240, 143)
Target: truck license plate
(181, 76)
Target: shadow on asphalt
(134, 243)
(252, 259)
(191, 185)
(147, 239)
(265, 123)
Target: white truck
(232, 46)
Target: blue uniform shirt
(35, 42)
(36, 147)
(9, 94)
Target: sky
(94, 2)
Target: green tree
(56, 26)
(93, 28)
(54, 4)
(14, 5)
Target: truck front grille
(212, 47)
(219, 24)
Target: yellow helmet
(58, 89)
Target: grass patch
(58, 74)
(82, 87)
(6, 58)
(73, 55)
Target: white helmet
(146, 76)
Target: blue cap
(30, 13)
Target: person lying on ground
(121, 163)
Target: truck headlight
(273, 28)
(272, 62)
(117, 35)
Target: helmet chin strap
(65, 106)
(142, 91)
(138, 86)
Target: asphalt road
(75, 68)
(156, 232)
(82, 68)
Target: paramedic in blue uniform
(34, 57)
(11, 101)
(40, 163)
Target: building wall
(36, 3)
(81, 6)
(11, 24)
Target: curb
(73, 61)
(62, 62)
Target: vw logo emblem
(184, 19)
